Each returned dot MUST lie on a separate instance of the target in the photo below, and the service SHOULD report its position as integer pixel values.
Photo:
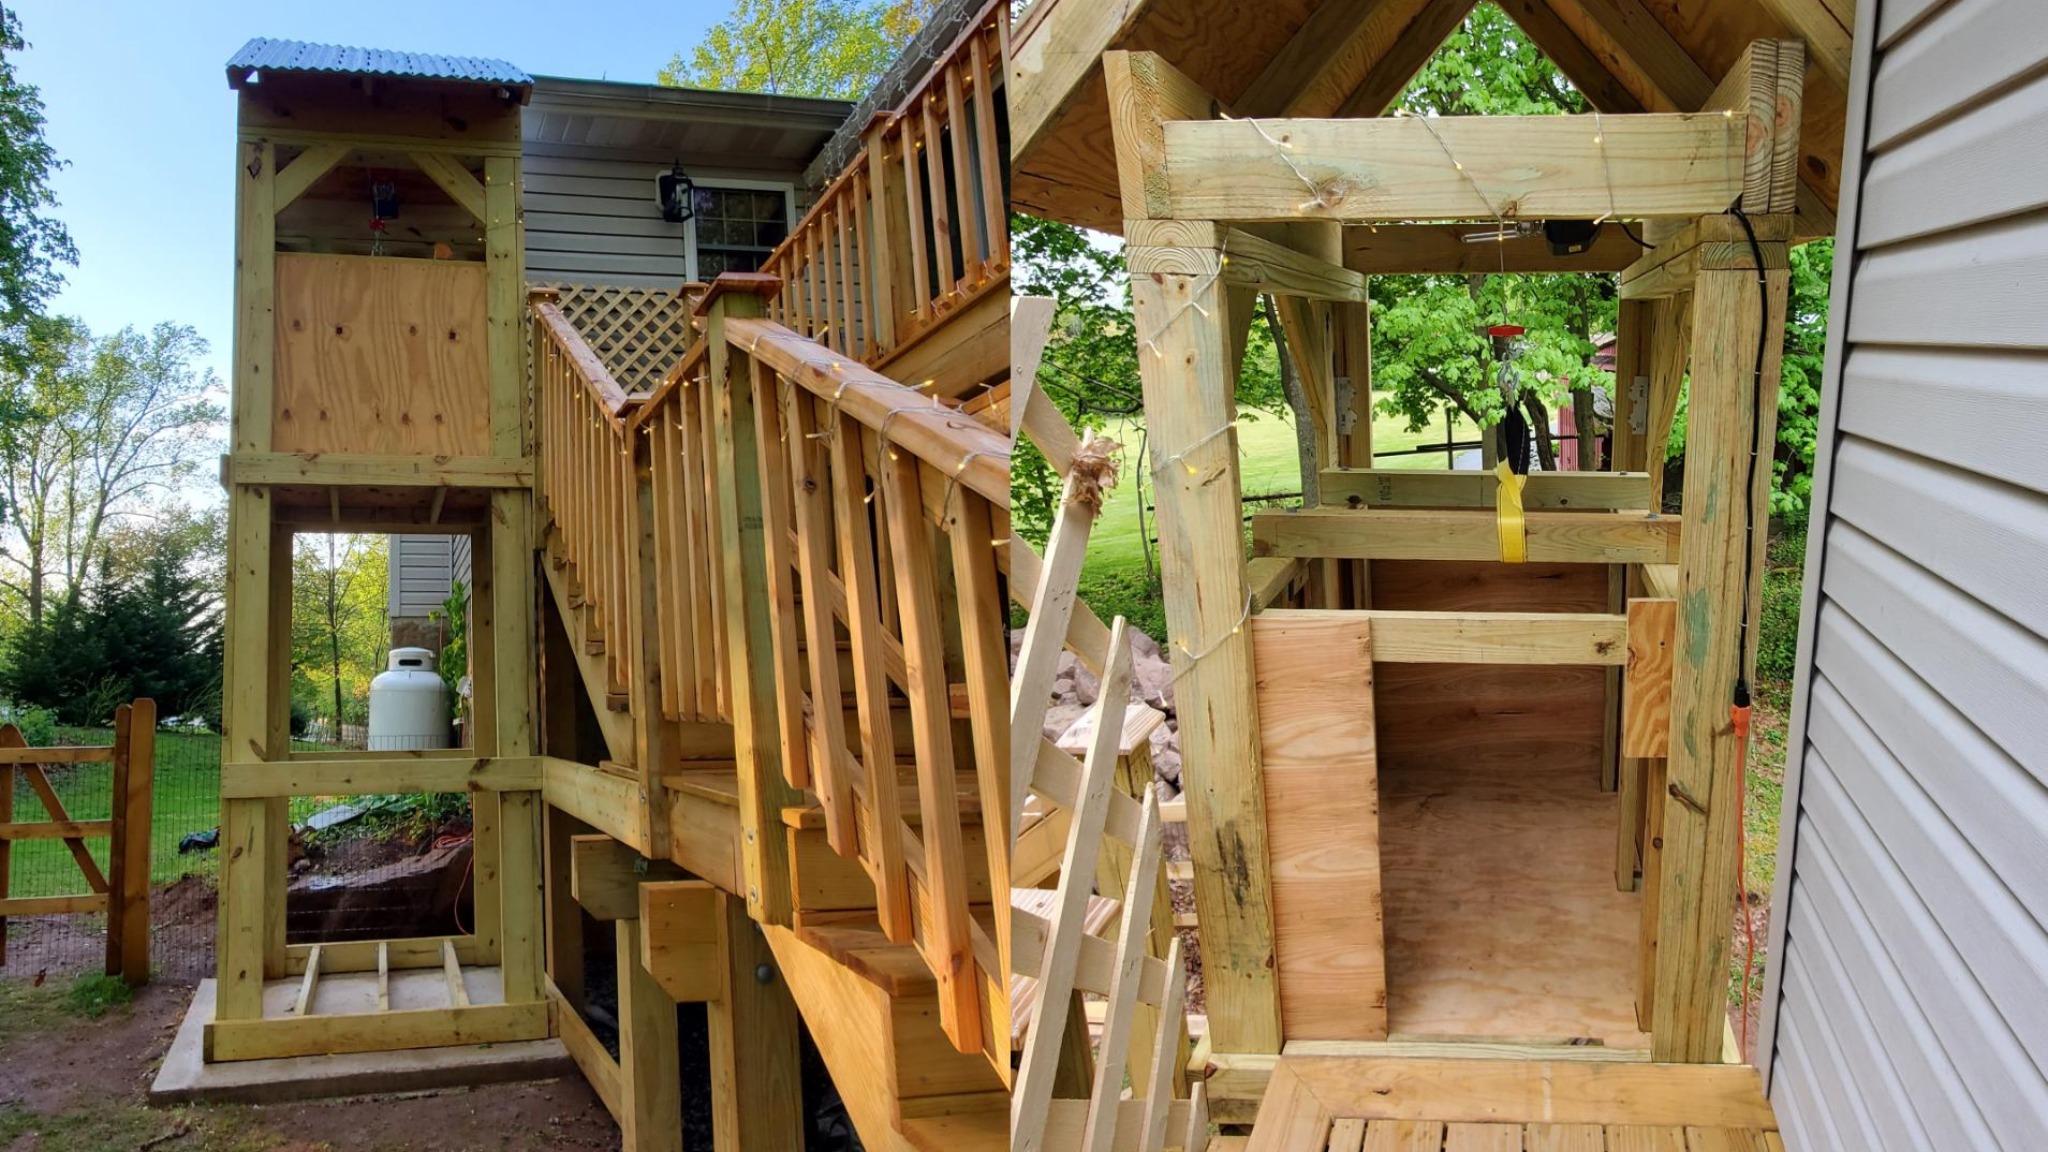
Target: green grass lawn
(1113, 580)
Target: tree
(830, 48)
(148, 625)
(106, 424)
(340, 632)
(1430, 346)
(33, 244)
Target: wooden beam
(1189, 376)
(750, 656)
(1053, 52)
(1413, 534)
(1202, 248)
(306, 169)
(318, 468)
(1712, 242)
(1725, 498)
(1389, 74)
(1586, 638)
(1332, 34)
(374, 776)
(756, 1085)
(1401, 249)
(1584, 67)
(283, 1036)
(1827, 39)
(679, 940)
(457, 181)
(650, 1109)
(1470, 488)
(1646, 722)
(1365, 171)
(605, 876)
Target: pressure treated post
(742, 548)
(650, 1072)
(756, 1088)
(1730, 414)
(1189, 374)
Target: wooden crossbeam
(329, 468)
(375, 776)
(1398, 249)
(1469, 488)
(1710, 243)
(1410, 534)
(457, 181)
(1203, 248)
(605, 876)
(1583, 638)
(1452, 168)
(295, 178)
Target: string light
(1317, 197)
(1182, 668)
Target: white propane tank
(408, 704)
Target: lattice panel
(639, 333)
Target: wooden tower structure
(376, 391)
(1423, 720)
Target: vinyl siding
(421, 570)
(1907, 1006)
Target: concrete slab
(186, 1077)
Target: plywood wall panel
(381, 355)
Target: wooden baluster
(994, 201)
(913, 198)
(885, 262)
(658, 478)
(689, 424)
(973, 256)
(813, 495)
(672, 527)
(858, 190)
(988, 707)
(871, 447)
(947, 943)
(771, 438)
(721, 635)
(942, 213)
(849, 291)
(858, 570)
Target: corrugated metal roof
(264, 55)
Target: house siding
(1905, 1004)
(421, 570)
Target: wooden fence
(121, 890)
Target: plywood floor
(1502, 919)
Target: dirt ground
(71, 1084)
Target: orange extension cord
(1739, 715)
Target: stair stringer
(905, 1086)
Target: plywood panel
(381, 355)
(1315, 703)
(1455, 717)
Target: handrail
(834, 502)
(915, 227)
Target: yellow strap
(1514, 534)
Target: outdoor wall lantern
(672, 191)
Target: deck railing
(915, 227)
(770, 504)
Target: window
(737, 228)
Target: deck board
(1394, 1104)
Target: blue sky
(137, 101)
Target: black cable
(1756, 403)
(1630, 233)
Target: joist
(1581, 638)
(1472, 488)
(1442, 249)
(375, 1031)
(1509, 167)
(1243, 260)
(1414, 534)
(1709, 243)
(343, 469)
(605, 876)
